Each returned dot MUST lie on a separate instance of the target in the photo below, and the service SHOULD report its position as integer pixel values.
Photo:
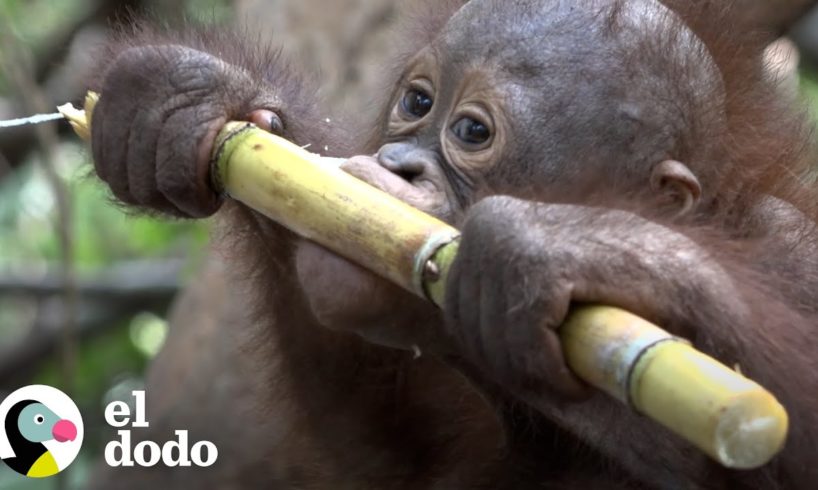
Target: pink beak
(64, 430)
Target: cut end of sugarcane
(80, 119)
(733, 419)
(77, 119)
(751, 431)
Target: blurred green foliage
(113, 361)
(34, 21)
(208, 11)
(110, 363)
(104, 234)
(809, 83)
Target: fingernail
(266, 120)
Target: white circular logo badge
(41, 431)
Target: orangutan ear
(678, 184)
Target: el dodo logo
(40, 431)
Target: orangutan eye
(39, 419)
(471, 131)
(416, 103)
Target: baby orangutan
(589, 151)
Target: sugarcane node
(431, 272)
(628, 385)
(664, 378)
(731, 418)
(437, 252)
(219, 161)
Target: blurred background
(85, 288)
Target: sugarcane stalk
(729, 417)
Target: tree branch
(106, 299)
(18, 362)
(142, 279)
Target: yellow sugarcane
(729, 417)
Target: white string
(35, 119)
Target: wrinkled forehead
(488, 30)
(535, 36)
